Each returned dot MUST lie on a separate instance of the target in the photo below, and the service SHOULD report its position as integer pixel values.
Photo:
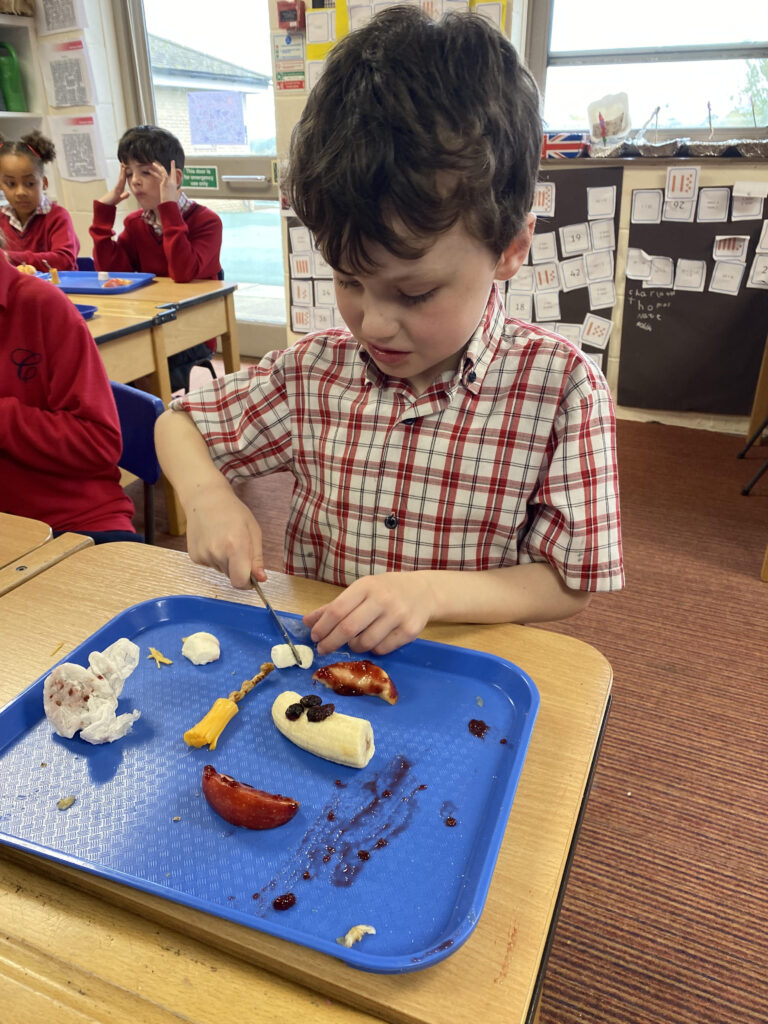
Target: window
(688, 68)
(207, 76)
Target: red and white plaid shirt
(509, 459)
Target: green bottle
(10, 79)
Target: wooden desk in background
(28, 547)
(66, 955)
(137, 331)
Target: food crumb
(65, 802)
(159, 659)
(57, 648)
(479, 701)
(355, 934)
(177, 818)
(43, 764)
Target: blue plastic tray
(424, 883)
(86, 312)
(86, 282)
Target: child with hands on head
(450, 463)
(38, 233)
(169, 236)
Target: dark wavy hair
(146, 143)
(414, 125)
(34, 145)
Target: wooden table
(137, 331)
(28, 547)
(67, 956)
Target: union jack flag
(564, 144)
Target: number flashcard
(682, 182)
(595, 331)
(602, 294)
(520, 306)
(601, 202)
(603, 234)
(544, 247)
(647, 205)
(662, 273)
(547, 305)
(523, 281)
(679, 209)
(713, 204)
(758, 273)
(690, 275)
(599, 266)
(726, 277)
(573, 274)
(575, 239)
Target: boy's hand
(222, 533)
(375, 613)
(118, 193)
(169, 192)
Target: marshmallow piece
(85, 700)
(281, 656)
(201, 648)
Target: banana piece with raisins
(344, 739)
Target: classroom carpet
(663, 918)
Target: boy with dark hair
(450, 464)
(170, 236)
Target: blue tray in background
(86, 312)
(140, 818)
(86, 282)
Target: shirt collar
(150, 216)
(478, 353)
(43, 208)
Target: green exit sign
(200, 177)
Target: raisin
(311, 700)
(294, 711)
(320, 712)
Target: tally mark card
(544, 199)
(573, 274)
(301, 319)
(638, 264)
(547, 278)
(301, 264)
(544, 247)
(523, 281)
(662, 273)
(575, 239)
(731, 247)
(603, 234)
(595, 331)
(547, 305)
(682, 182)
(520, 306)
(602, 294)
(598, 266)
(601, 201)
(679, 209)
(758, 273)
(647, 205)
(713, 205)
(301, 292)
(726, 277)
(690, 275)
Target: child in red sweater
(37, 231)
(60, 435)
(170, 236)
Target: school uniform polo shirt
(509, 459)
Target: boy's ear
(514, 255)
(45, 184)
(179, 176)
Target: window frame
(539, 59)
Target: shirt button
(390, 522)
(409, 420)
(471, 376)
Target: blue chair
(85, 263)
(138, 411)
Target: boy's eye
(414, 300)
(342, 283)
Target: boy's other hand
(375, 613)
(169, 192)
(222, 533)
(118, 193)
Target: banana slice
(340, 738)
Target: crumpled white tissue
(85, 699)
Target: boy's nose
(378, 321)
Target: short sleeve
(575, 522)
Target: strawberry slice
(241, 804)
(358, 678)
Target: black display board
(691, 351)
(571, 184)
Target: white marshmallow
(282, 656)
(201, 648)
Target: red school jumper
(59, 430)
(188, 249)
(46, 236)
